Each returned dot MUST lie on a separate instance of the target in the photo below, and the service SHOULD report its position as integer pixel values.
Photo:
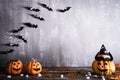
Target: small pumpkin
(33, 67)
(103, 67)
(14, 67)
(103, 63)
(117, 65)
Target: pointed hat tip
(102, 46)
(103, 49)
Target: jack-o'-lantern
(33, 67)
(103, 63)
(103, 67)
(14, 67)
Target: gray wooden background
(69, 39)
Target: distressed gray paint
(65, 39)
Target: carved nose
(102, 66)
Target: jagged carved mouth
(36, 69)
(16, 69)
(102, 70)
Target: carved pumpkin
(103, 63)
(103, 67)
(33, 67)
(14, 67)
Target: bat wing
(16, 30)
(63, 10)
(27, 24)
(20, 37)
(45, 6)
(36, 10)
(21, 28)
(11, 44)
(32, 9)
(23, 39)
(15, 45)
(42, 19)
(60, 10)
(10, 51)
(7, 44)
(34, 25)
(34, 16)
(68, 8)
(6, 52)
(28, 8)
(50, 9)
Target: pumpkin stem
(33, 60)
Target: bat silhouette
(64, 10)
(17, 30)
(11, 44)
(32, 9)
(20, 37)
(37, 17)
(7, 51)
(45, 6)
(31, 25)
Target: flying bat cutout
(32, 9)
(17, 30)
(20, 37)
(37, 17)
(45, 6)
(30, 25)
(64, 10)
(11, 44)
(7, 51)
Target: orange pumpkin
(14, 67)
(103, 63)
(103, 67)
(33, 67)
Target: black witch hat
(103, 54)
